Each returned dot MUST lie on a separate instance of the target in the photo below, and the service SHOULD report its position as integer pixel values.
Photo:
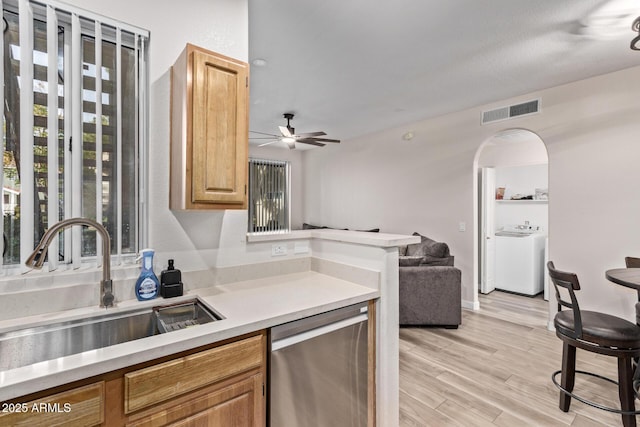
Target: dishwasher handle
(307, 335)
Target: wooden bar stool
(596, 332)
(633, 262)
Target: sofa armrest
(430, 295)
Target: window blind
(269, 206)
(75, 119)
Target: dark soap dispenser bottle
(171, 282)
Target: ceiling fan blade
(308, 134)
(270, 142)
(326, 140)
(285, 131)
(311, 142)
(263, 133)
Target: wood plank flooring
(495, 370)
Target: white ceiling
(353, 67)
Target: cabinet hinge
(246, 82)
(263, 389)
(245, 189)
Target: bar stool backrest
(569, 282)
(632, 262)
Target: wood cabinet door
(239, 404)
(219, 129)
(78, 407)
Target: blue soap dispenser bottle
(147, 285)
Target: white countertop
(247, 306)
(384, 240)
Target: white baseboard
(471, 305)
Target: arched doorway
(516, 162)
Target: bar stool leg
(625, 390)
(568, 375)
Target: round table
(628, 277)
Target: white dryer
(520, 252)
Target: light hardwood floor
(495, 370)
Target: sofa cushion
(410, 261)
(429, 261)
(429, 247)
(306, 226)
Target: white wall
(219, 25)
(521, 180)
(513, 147)
(591, 129)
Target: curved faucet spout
(36, 259)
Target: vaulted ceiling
(353, 67)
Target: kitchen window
(74, 131)
(269, 206)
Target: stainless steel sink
(26, 346)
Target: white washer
(520, 260)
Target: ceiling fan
(289, 136)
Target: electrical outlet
(278, 250)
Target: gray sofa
(429, 285)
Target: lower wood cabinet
(222, 386)
(79, 406)
(239, 403)
(218, 385)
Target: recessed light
(408, 136)
(259, 62)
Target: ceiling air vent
(504, 113)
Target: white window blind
(74, 130)
(269, 207)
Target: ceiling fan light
(287, 139)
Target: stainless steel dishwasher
(319, 370)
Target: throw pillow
(410, 261)
(428, 246)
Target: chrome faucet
(36, 259)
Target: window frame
(284, 226)
(78, 24)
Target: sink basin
(26, 346)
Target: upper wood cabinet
(209, 131)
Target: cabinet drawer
(237, 404)
(82, 406)
(158, 383)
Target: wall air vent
(511, 111)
